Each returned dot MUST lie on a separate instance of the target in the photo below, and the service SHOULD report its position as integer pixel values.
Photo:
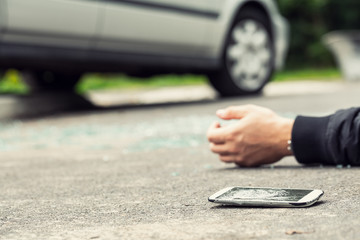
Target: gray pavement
(146, 172)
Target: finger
(216, 134)
(227, 158)
(222, 149)
(235, 112)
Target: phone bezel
(307, 200)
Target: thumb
(237, 112)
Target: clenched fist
(258, 137)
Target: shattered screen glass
(256, 194)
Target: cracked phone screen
(263, 194)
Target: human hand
(259, 137)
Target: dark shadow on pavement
(42, 105)
(57, 103)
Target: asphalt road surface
(145, 172)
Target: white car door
(61, 23)
(159, 27)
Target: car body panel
(3, 17)
(44, 22)
(152, 27)
(117, 34)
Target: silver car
(236, 43)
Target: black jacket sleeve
(333, 139)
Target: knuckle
(210, 136)
(233, 149)
(240, 139)
(230, 109)
(231, 136)
(251, 108)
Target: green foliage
(13, 83)
(309, 21)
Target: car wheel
(248, 56)
(48, 80)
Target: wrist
(285, 147)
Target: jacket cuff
(308, 139)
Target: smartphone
(266, 197)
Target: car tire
(48, 80)
(248, 56)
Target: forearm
(329, 140)
(308, 139)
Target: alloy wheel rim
(248, 56)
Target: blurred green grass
(12, 82)
(101, 81)
(328, 74)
